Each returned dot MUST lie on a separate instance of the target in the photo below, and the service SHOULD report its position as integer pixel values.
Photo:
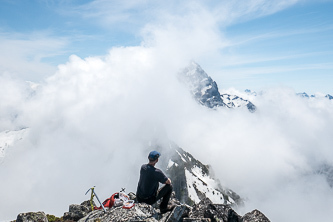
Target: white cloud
(230, 12)
(88, 124)
(13, 94)
(22, 56)
(138, 13)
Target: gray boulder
(32, 217)
(176, 214)
(215, 212)
(76, 211)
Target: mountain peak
(202, 87)
(329, 96)
(205, 90)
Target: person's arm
(168, 181)
(162, 178)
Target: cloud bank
(90, 123)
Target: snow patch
(207, 186)
(199, 182)
(190, 179)
(171, 163)
(204, 89)
(181, 156)
(9, 138)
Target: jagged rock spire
(205, 90)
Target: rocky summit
(205, 210)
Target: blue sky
(254, 44)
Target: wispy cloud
(230, 12)
(276, 34)
(260, 70)
(238, 61)
(122, 14)
(143, 11)
(23, 55)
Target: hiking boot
(168, 208)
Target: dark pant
(164, 192)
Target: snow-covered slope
(233, 101)
(206, 92)
(9, 139)
(193, 181)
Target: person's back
(148, 184)
(149, 180)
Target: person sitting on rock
(150, 177)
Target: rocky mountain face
(194, 181)
(205, 210)
(206, 92)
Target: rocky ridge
(205, 210)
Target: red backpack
(108, 202)
(118, 201)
